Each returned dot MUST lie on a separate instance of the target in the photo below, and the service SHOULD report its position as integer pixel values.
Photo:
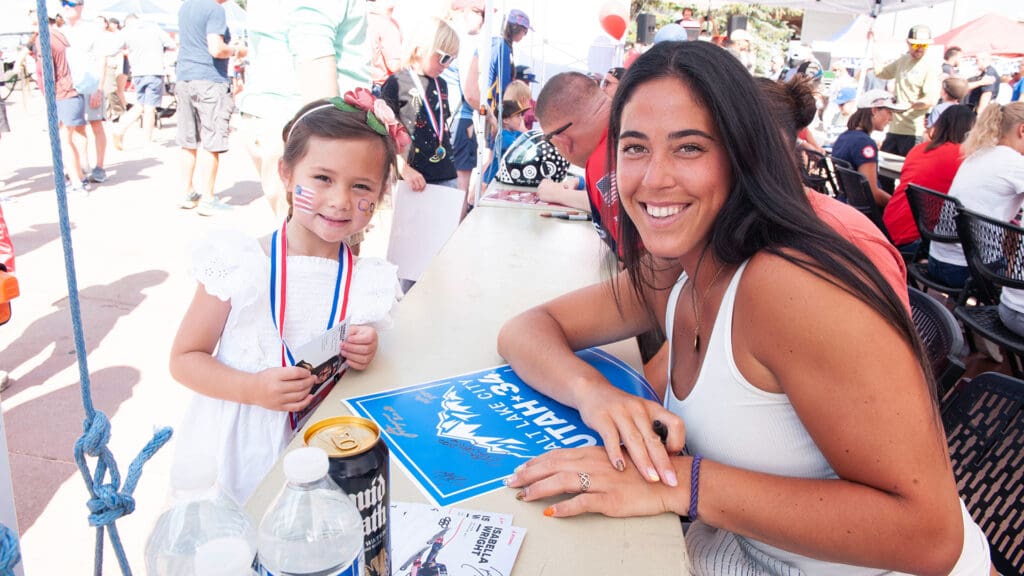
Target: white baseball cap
(880, 99)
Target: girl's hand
(608, 491)
(285, 389)
(413, 177)
(626, 420)
(360, 346)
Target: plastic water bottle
(201, 521)
(313, 528)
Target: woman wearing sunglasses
(419, 98)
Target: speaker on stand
(645, 28)
(736, 22)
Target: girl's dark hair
(767, 209)
(952, 126)
(861, 120)
(322, 119)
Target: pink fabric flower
(401, 136)
(360, 98)
(384, 113)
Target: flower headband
(379, 116)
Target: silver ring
(584, 481)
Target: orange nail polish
(549, 511)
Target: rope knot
(96, 434)
(10, 553)
(108, 505)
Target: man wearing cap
(846, 105)
(917, 83)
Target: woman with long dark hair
(795, 376)
(931, 164)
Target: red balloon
(614, 19)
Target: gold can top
(343, 436)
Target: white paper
(425, 538)
(422, 223)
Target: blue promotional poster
(459, 437)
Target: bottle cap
(193, 471)
(305, 465)
(224, 557)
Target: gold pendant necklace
(703, 301)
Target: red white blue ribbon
(436, 122)
(279, 287)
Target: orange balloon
(614, 18)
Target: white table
(500, 262)
(890, 165)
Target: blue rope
(10, 554)
(108, 499)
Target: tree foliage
(770, 25)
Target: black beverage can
(359, 465)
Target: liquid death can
(359, 465)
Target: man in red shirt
(573, 110)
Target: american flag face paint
(303, 199)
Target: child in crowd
(953, 91)
(512, 126)
(520, 92)
(419, 98)
(256, 303)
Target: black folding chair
(819, 174)
(857, 191)
(995, 255)
(935, 218)
(984, 426)
(943, 342)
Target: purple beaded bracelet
(694, 484)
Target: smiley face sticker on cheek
(366, 206)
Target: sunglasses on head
(549, 135)
(445, 58)
(69, 3)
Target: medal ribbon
(279, 287)
(436, 122)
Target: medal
(439, 154)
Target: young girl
(256, 303)
(419, 97)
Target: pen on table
(566, 215)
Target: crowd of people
(798, 456)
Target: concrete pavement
(130, 249)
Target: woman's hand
(360, 346)
(413, 178)
(599, 487)
(285, 389)
(625, 420)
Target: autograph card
(429, 540)
(321, 357)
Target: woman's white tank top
(731, 421)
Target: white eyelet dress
(247, 439)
